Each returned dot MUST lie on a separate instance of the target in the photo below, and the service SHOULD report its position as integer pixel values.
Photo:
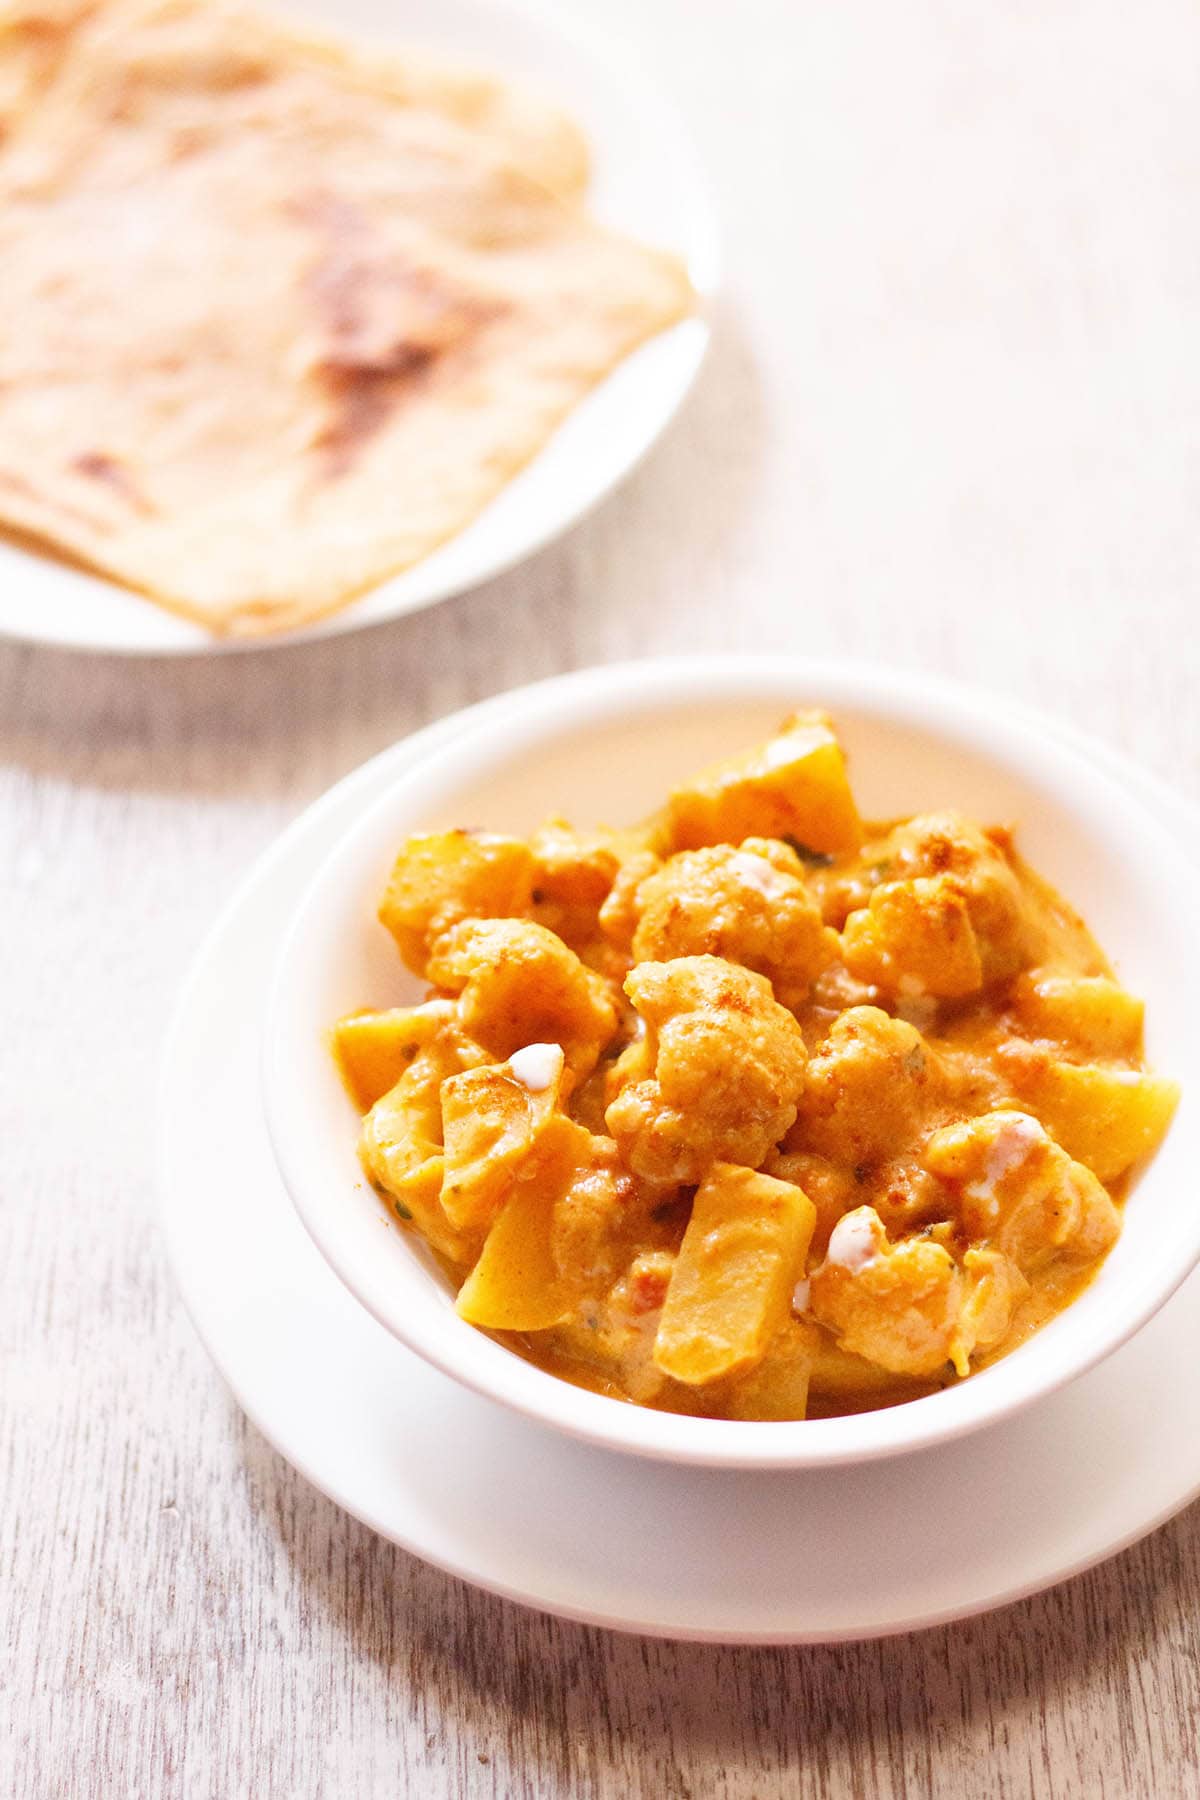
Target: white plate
(812, 1557)
(645, 182)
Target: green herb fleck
(816, 859)
(401, 1210)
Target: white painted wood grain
(951, 421)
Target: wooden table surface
(950, 422)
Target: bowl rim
(996, 728)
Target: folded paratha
(278, 317)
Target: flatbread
(278, 317)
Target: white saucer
(644, 181)
(610, 1540)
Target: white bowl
(604, 746)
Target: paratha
(279, 316)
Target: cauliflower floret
(915, 938)
(572, 874)
(619, 914)
(995, 1286)
(519, 985)
(748, 905)
(635, 1063)
(593, 1218)
(728, 1065)
(441, 877)
(831, 1189)
(945, 843)
(949, 916)
(1019, 1192)
(896, 1304)
(868, 1090)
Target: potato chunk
(1020, 1193)
(492, 1120)
(373, 1049)
(844, 1382)
(415, 1197)
(749, 905)
(441, 877)
(520, 984)
(1091, 1012)
(731, 1286)
(1105, 1118)
(517, 1284)
(400, 1148)
(897, 1305)
(775, 1387)
(728, 1065)
(868, 1089)
(915, 937)
(793, 786)
(400, 1143)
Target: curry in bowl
(753, 1111)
